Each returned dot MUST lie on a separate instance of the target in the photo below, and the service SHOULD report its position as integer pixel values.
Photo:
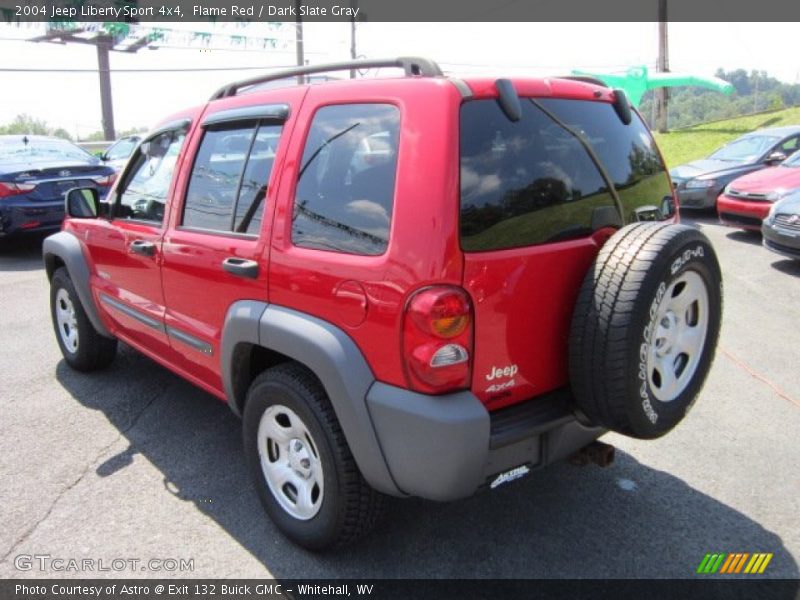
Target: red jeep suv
(411, 286)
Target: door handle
(241, 267)
(143, 247)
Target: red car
(746, 201)
(414, 286)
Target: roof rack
(413, 66)
(585, 79)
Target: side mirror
(648, 213)
(82, 203)
(775, 157)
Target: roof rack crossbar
(584, 79)
(413, 66)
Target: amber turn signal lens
(448, 327)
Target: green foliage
(685, 145)
(61, 133)
(99, 136)
(755, 92)
(26, 124)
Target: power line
(177, 70)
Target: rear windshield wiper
(589, 150)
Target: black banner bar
(398, 11)
(704, 587)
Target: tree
(25, 124)
(755, 91)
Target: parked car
(700, 182)
(415, 286)
(781, 227)
(35, 172)
(746, 201)
(120, 151)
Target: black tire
(349, 507)
(618, 353)
(91, 351)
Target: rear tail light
(437, 340)
(105, 181)
(15, 189)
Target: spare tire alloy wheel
(645, 328)
(677, 335)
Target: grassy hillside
(699, 141)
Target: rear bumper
(447, 447)
(744, 214)
(17, 218)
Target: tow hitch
(599, 453)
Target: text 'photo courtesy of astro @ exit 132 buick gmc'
(408, 286)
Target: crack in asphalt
(779, 391)
(83, 473)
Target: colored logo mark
(734, 562)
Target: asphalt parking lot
(136, 463)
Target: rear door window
(345, 189)
(533, 182)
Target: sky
(141, 99)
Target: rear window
(532, 181)
(33, 150)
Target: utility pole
(755, 91)
(103, 45)
(662, 67)
(104, 41)
(353, 54)
(298, 41)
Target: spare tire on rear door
(645, 328)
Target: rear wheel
(83, 348)
(645, 328)
(305, 475)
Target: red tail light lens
(437, 340)
(15, 189)
(105, 181)
(676, 207)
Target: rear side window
(532, 181)
(229, 178)
(345, 189)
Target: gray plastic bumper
(446, 447)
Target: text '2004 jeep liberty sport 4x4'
(414, 286)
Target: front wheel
(306, 477)
(83, 348)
